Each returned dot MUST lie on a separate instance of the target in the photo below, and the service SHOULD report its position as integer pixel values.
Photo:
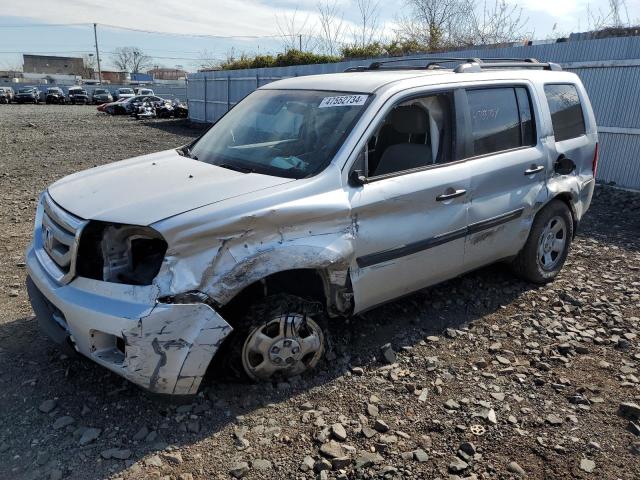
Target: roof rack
(464, 65)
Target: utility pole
(300, 41)
(95, 35)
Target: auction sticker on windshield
(343, 101)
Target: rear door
(574, 138)
(508, 167)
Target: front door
(411, 215)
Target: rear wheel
(547, 247)
(279, 337)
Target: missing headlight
(115, 253)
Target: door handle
(534, 169)
(451, 193)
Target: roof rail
(464, 65)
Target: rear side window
(566, 111)
(501, 119)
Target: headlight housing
(117, 253)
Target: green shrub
(375, 49)
(394, 48)
(286, 59)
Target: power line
(33, 25)
(108, 53)
(141, 30)
(195, 35)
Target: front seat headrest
(409, 119)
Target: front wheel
(279, 337)
(547, 247)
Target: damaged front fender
(221, 251)
(170, 349)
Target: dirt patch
(489, 370)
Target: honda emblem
(47, 238)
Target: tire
(279, 337)
(547, 247)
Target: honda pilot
(316, 197)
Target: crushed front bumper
(165, 348)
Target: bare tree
(367, 29)
(90, 65)
(89, 61)
(207, 60)
(499, 23)
(130, 59)
(618, 9)
(599, 19)
(439, 24)
(435, 23)
(294, 32)
(331, 28)
(11, 66)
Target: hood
(147, 189)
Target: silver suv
(318, 196)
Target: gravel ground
(489, 377)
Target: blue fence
(609, 69)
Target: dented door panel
(503, 203)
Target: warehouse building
(54, 65)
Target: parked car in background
(101, 95)
(143, 91)
(123, 93)
(78, 96)
(7, 95)
(316, 196)
(149, 101)
(173, 108)
(119, 107)
(28, 95)
(108, 107)
(55, 95)
(129, 106)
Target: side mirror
(564, 165)
(357, 178)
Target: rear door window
(501, 119)
(566, 111)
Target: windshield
(25, 90)
(53, 90)
(125, 90)
(286, 133)
(98, 91)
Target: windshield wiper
(186, 152)
(237, 168)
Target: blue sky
(220, 18)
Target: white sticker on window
(343, 101)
